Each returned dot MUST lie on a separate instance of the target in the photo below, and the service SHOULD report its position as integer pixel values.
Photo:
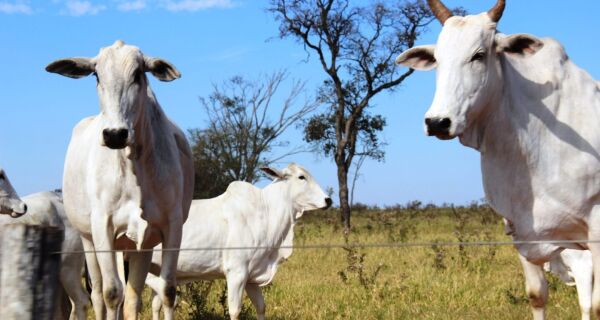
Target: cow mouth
(442, 136)
(14, 214)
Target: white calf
(244, 216)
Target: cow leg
(257, 299)
(167, 286)
(582, 274)
(156, 306)
(236, 281)
(139, 263)
(112, 288)
(536, 287)
(595, 249)
(95, 279)
(70, 278)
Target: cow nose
(328, 202)
(115, 138)
(438, 126)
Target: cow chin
(445, 136)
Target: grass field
(399, 283)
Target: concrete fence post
(29, 271)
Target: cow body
(46, 209)
(533, 115)
(128, 179)
(261, 220)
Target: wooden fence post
(29, 271)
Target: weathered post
(29, 271)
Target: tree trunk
(343, 193)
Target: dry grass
(404, 283)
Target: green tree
(356, 47)
(243, 133)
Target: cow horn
(440, 11)
(495, 13)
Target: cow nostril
(24, 208)
(445, 123)
(428, 121)
(122, 134)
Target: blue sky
(213, 40)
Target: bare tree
(356, 47)
(243, 133)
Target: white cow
(10, 203)
(244, 216)
(128, 179)
(46, 209)
(533, 115)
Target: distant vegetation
(432, 282)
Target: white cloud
(135, 5)
(15, 7)
(79, 8)
(195, 5)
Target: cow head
(122, 87)
(305, 192)
(9, 200)
(468, 60)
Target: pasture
(391, 283)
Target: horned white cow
(128, 179)
(244, 216)
(46, 209)
(10, 203)
(533, 115)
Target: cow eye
(137, 78)
(478, 56)
(302, 177)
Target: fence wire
(390, 245)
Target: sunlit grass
(411, 283)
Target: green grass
(398, 283)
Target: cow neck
(147, 126)
(280, 210)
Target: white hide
(533, 115)
(46, 209)
(574, 267)
(128, 179)
(245, 216)
(10, 203)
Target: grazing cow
(574, 267)
(10, 203)
(533, 115)
(128, 179)
(46, 209)
(244, 216)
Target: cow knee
(169, 295)
(112, 296)
(537, 297)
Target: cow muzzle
(438, 127)
(115, 138)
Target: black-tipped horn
(495, 13)
(441, 12)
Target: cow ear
(521, 44)
(72, 67)
(418, 58)
(273, 173)
(161, 69)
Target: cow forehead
(119, 56)
(465, 33)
